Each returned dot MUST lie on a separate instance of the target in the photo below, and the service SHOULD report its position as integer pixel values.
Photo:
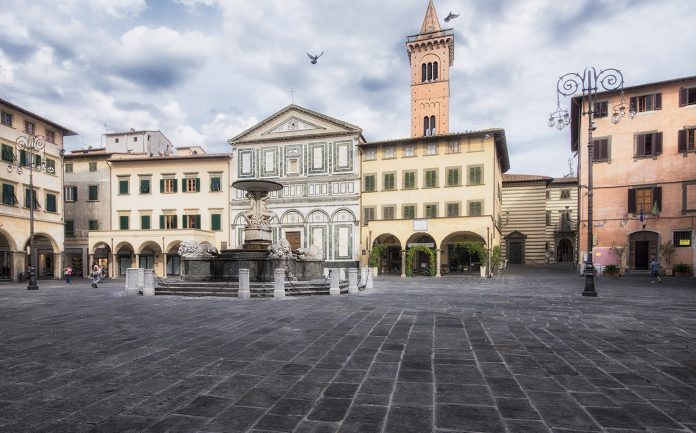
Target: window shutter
(657, 150)
(23, 157)
(681, 134)
(174, 220)
(633, 104)
(632, 200)
(174, 184)
(183, 185)
(423, 73)
(161, 220)
(74, 190)
(657, 196)
(640, 145)
(198, 222)
(658, 101)
(596, 150)
(215, 221)
(184, 221)
(682, 97)
(198, 184)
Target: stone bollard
(363, 276)
(341, 274)
(132, 281)
(244, 292)
(327, 271)
(149, 287)
(369, 283)
(141, 279)
(334, 288)
(279, 283)
(353, 281)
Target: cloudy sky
(204, 70)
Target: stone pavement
(523, 352)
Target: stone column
(334, 288)
(363, 276)
(403, 263)
(353, 281)
(112, 265)
(279, 283)
(137, 261)
(164, 265)
(244, 292)
(149, 286)
(90, 264)
(438, 253)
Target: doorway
(642, 259)
(564, 253)
(643, 245)
(515, 252)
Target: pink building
(644, 173)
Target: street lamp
(31, 143)
(588, 83)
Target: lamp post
(33, 144)
(587, 84)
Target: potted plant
(681, 270)
(618, 251)
(668, 250)
(611, 270)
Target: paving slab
(520, 352)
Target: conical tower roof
(430, 23)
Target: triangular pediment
(295, 122)
(515, 234)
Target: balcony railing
(428, 35)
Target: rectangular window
(68, 167)
(565, 194)
(431, 149)
(70, 193)
(216, 222)
(600, 150)
(430, 178)
(37, 160)
(453, 146)
(28, 199)
(93, 225)
(645, 199)
(548, 217)
(685, 139)
(50, 136)
(647, 145)
(123, 186)
(682, 239)
(191, 222)
(645, 103)
(145, 185)
(7, 153)
(50, 166)
(29, 127)
(69, 228)
(369, 183)
(389, 181)
(388, 212)
(409, 150)
(123, 221)
(389, 152)
(475, 208)
(216, 183)
(408, 211)
(93, 193)
(369, 215)
(145, 222)
(23, 157)
(454, 176)
(475, 175)
(93, 166)
(168, 185)
(6, 118)
(601, 109)
(430, 210)
(168, 221)
(686, 96)
(370, 154)
(191, 184)
(8, 194)
(409, 178)
(452, 209)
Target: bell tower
(431, 54)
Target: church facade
(316, 158)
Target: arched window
(424, 73)
(432, 125)
(430, 71)
(434, 70)
(426, 126)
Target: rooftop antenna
(292, 95)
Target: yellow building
(17, 123)
(158, 202)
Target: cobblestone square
(521, 352)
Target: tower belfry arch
(431, 54)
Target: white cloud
(117, 8)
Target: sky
(202, 71)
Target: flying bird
(451, 16)
(314, 58)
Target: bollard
(363, 276)
(369, 283)
(141, 278)
(353, 281)
(149, 280)
(279, 283)
(342, 274)
(244, 292)
(334, 288)
(132, 281)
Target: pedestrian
(96, 274)
(68, 275)
(655, 271)
(101, 272)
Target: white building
(315, 157)
(153, 143)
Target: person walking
(68, 275)
(655, 271)
(96, 275)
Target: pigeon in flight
(451, 16)
(314, 58)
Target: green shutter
(183, 185)
(161, 185)
(23, 157)
(174, 183)
(27, 198)
(215, 221)
(174, 220)
(184, 221)
(50, 202)
(123, 187)
(198, 185)
(123, 222)
(161, 219)
(145, 222)
(198, 222)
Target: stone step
(234, 294)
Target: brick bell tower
(431, 53)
